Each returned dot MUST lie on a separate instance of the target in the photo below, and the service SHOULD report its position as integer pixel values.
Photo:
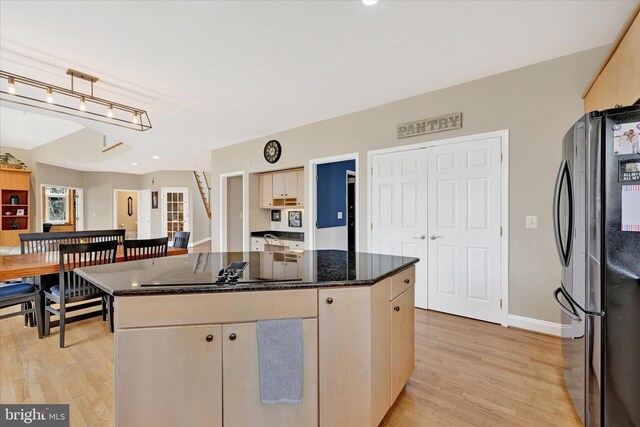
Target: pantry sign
(432, 125)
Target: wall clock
(272, 151)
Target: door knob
(434, 237)
(420, 237)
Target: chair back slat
(50, 242)
(78, 255)
(145, 248)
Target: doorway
(175, 211)
(239, 201)
(234, 214)
(328, 226)
(126, 212)
(62, 208)
(446, 202)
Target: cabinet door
(291, 184)
(300, 195)
(278, 185)
(266, 191)
(159, 369)
(344, 337)
(402, 340)
(242, 405)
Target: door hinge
(316, 177)
(501, 230)
(371, 170)
(316, 224)
(501, 157)
(372, 226)
(501, 303)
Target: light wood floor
(468, 373)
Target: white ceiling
(21, 129)
(217, 73)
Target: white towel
(280, 361)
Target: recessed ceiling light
(134, 164)
(369, 2)
(155, 157)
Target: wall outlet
(531, 222)
(339, 215)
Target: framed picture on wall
(295, 218)
(275, 215)
(154, 200)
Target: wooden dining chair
(28, 297)
(72, 288)
(181, 239)
(145, 248)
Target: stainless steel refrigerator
(596, 215)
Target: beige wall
(537, 104)
(234, 214)
(50, 175)
(98, 197)
(129, 223)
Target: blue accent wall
(332, 193)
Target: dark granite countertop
(286, 235)
(195, 273)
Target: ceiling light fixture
(134, 164)
(12, 86)
(67, 101)
(155, 157)
(369, 2)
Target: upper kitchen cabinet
(282, 189)
(618, 79)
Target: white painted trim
(115, 206)
(310, 196)
(536, 325)
(504, 198)
(199, 242)
(504, 214)
(222, 213)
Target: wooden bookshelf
(16, 209)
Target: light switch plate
(531, 222)
(339, 215)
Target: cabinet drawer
(293, 244)
(220, 307)
(402, 281)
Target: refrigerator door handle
(572, 313)
(564, 252)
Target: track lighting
(90, 107)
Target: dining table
(41, 263)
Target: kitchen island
(186, 349)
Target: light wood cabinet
(402, 340)
(300, 194)
(282, 189)
(266, 191)
(241, 389)
(354, 334)
(159, 369)
(14, 186)
(618, 80)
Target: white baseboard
(199, 242)
(543, 326)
